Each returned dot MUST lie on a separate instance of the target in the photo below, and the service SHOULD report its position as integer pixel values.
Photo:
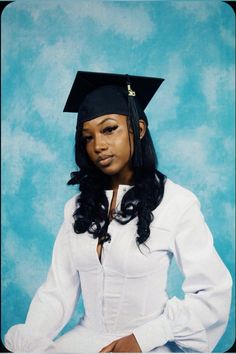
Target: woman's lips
(106, 161)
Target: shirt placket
(105, 252)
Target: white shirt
(126, 292)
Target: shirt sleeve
(197, 322)
(53, 303)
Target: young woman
(118, 238)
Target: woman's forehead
(118, 118)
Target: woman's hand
(126, 344)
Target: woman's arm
(53, 303)
(197, 322)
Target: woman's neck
(126, 179)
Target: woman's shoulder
(176, 191)
(70, 206)
(177, 196)
(175, 202)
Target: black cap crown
(96, 94)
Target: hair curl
(92, 205)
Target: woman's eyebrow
(103, 121)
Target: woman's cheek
(90, 153)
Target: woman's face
(109, 144)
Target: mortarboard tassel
(134, 119)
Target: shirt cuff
(20, 338)
(152, 334)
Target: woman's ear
(142, 128)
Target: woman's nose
(99, 144)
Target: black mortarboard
(87, 82)
(96, 94)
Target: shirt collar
(122, 189)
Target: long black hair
(91, 213)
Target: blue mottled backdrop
(189, 43)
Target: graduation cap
(95, 94)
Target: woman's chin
(108, 170)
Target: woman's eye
(110, 129)
(86, 139)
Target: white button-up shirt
(126, 292)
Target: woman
(118, 238)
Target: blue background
(189, 43)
